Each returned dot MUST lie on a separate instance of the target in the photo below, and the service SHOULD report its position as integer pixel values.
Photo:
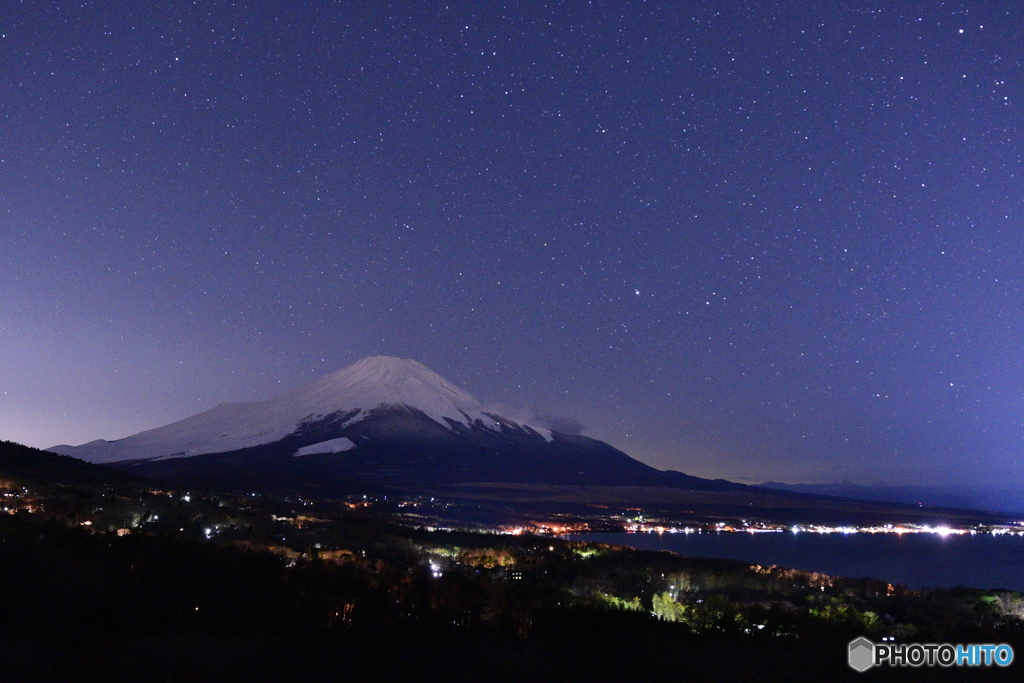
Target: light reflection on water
(915, 560)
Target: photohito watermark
(864, 654)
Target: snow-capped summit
(384, 380)
(348, 396)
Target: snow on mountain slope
(363, 386)
(339, 445)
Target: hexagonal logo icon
(861, 654)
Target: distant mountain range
(383, 421)
(1002, 498)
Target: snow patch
(546, 433)
(330, 446)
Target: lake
(914, 560)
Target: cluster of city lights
(546, 528)
(723, 527)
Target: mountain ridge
(386, 421)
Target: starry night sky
(772, 240)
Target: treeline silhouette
(21, 462)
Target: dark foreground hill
(35, 466)
(130, 582)
(405, 604)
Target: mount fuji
(384, 421)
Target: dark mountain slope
(401, 448)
